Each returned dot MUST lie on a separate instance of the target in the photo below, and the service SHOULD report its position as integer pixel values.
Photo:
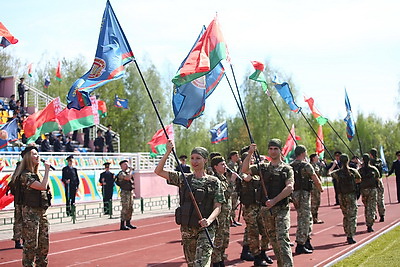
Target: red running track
(156, 242)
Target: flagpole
(340, 138)
(198, 212)
(358, 138)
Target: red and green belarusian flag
(102, 108)
(58, 72)
(258, 75)
(317, 115)
(43, 121)
(30, 70)
(290, 145)
(204, 56)
(159, 140)
(73, 119)
(319, 149)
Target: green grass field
(383, 251)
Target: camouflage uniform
(35, 228)
(126, 197)
(234, 196)
(17, 228)
(315, 194)
(222, 233)
(347, 199)
(302, 201)
(277, 219)
(377, 163)
(369, 177)
(196, 246)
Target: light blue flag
(384, 164)
(219, 133)
(350, 128)
(285, 92)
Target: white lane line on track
(99, 244)
(99, 234)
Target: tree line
(138, 124)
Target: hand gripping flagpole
(199, 215)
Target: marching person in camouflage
(304, 179)
(125, 181)
(222, 233)
(369, 183)
(249, 194)
(234, 165)
(347, 178)
(380, 198)
(35, 201)
(17, 227)
(315, 193)
(278, 178)
(208, 194)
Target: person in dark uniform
(109, 138)
(58, 146)
(107, 183)
(396, 169)
(99, 142)
(21, 91)
(185, 168)
(70, 179)
(45, 145)
(68, 145)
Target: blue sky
(324, 46)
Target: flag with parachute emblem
(112, 54)
(219, 133)
(350, 128)
(8, 133)
(120, 102)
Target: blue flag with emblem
(8, 133)
(350, 128)
(384, 164)
(112, 54)
(188, 100)
(219, 133)
(120, 102)
(284, 91)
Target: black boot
(369, 229)
(265, 257)
(129, 225)
(259, 261)
(123, 227)
(301, 249)
(308, 245)
(18, 245)
(382, 218)
(350, 240)
(216, 264)
(221, 264)
(246, 255)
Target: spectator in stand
(21, 91)
(52, 138)
(58, 144)
(99, 142)
(86, 133)
(11, 103)
(19, 108)
(45, 145)
(109, 138)
(69, 147)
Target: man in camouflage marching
(369, 186)
(304, 178)
(234, 165)
(315, 193)
(125, 182)
(380, 198)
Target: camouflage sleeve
(219, 194)
(334, 175)
(376, 173)
(357, 176)
(174, 179)
(309, 169)
(290, 174)
(254, 170)
(28, 178)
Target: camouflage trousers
(127, 205)
(222, 233)
(348, 205)
(369, 200)
(245, 236)
(196, 246)
(315, 202)
(277, 223)
(302, 203)
(17, 228)
(255, 227)
(380, 199)
(234, 198)
(35, 232)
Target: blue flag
(350, 128)
(112, 54)
(8, 133)
(384, 164)
(46, 82)
(219, 133)
(284, 91)
(120, 102)
(189, 100)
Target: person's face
(124, 166)
(337, 157)
(398, 156)
(197, 162)
(220, 167)
(315, 159)
(69, 162)
(183, 161)
(274, 152)
(35, 156)
(235, 158)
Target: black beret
(122, 161)
(28, 149)
(182, 157)
(70, 157)
(106, 163)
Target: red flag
(58, 72)
(290, 144)
(319, 146)
(6, 38)
(30, 70)
(102, 108)
(159, 138)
